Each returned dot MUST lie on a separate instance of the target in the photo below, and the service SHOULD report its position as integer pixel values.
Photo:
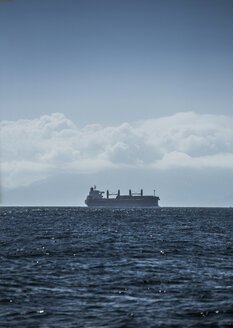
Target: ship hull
(123, 203)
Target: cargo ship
(95, 198)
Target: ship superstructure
(96, 199)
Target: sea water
(80, 267)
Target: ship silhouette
(95, 198)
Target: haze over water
(80, 267)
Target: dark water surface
(79, 267)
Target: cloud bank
(33, 150)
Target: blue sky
(142, 86)
(97, 60)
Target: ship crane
(113, 193)
(136, 193)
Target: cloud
(33, 150)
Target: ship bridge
(95, 194)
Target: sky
(122, 94)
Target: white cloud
(33, 150)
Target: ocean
(81, 267)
